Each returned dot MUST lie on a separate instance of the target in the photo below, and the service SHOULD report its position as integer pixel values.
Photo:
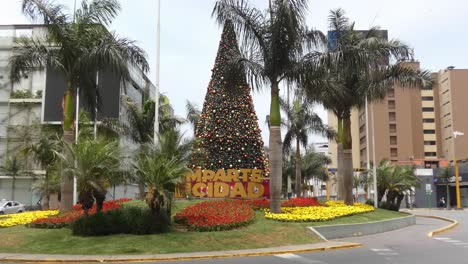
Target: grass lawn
(262, 233)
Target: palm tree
(44, 152)
(301, 122)
(444, 177)
(141, 124)
(193, 115)
(162, 167)
(313, 164)
(358, 67)
(77, 49)
(92, 162)
(393, 181)
(275, 41)
(12, 168)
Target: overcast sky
(437, 30)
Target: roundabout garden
(227, 224)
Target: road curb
(453, 224)
(83, 259)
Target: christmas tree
(227, 134)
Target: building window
(430, 154)
(392, 116)
(393, 152)
(427, 98)
(391, 92)
(429, 131)
(391, 104)
(392, 128)
(393, 140)
(429, 143)
(428, 120)
(428, 109)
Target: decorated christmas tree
(228, 135)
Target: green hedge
(131, 220)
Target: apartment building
(37, 100)
(453, 93)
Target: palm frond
(97, 12)
(31, 54)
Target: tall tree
(274, 42)
(76, 47)
(228, 135)
(302, 121)
(358, 65)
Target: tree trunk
(66, 184)
(347, 160)
(398, 203)
(339, 173)
(298, 168)
(275, 151)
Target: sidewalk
(329, 245)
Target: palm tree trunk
(275, 151)
(66, 183)
(347, 160)
(298, 168)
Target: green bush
(21, 94)
(128, 220)
(370, 202)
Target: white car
(11, 207)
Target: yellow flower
(24, 218)
(331, 210)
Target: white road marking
(442, 238)
(461, 244)
(298, 258)
(466, 246)
(453, 241)
(380, 249)
(288, 256)
(388, 254)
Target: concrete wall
(352, 230)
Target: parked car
(11, 207)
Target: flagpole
(158, 57)
(75, 187)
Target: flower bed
(24, 218)
(69, 217)
(331, 210)
(293, 202)
(216, 215)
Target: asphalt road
(409, 245)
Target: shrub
(129, 220)
(370, 202)
(216, 215)
(68, 218)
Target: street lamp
(457, 181)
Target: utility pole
(457, 174)
(158, 58)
